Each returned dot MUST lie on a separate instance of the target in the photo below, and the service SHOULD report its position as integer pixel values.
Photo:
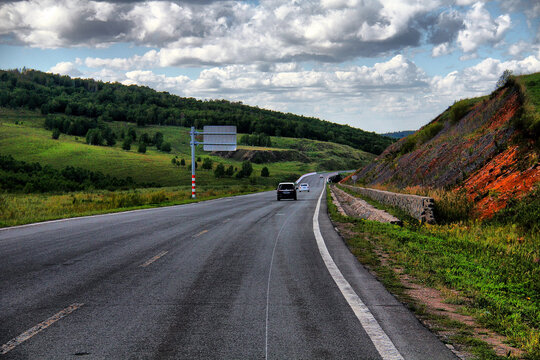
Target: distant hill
(106, 102)
(398, 134)
(488, 147)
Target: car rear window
(286, 187)
(304, 185)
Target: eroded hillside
(485, 146)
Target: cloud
(441, 50)
(65, 68)
(531, 9)
(445, 29)
(481, 29)
(223, 32)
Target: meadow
(490, 269)
(24, 137)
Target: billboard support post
(216, 138)
(192, 132)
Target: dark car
(286, 190)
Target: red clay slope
(476, 152)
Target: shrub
(158, 141)
(219, 172)
(524, 212)
(230, 171)
(265, 172)
(452, 206)
(459, 110)
(183, 162)
(408, 145)
(429, 131)
(207, 164)
(132, 134)
(126, 145)
(55, 134)
(165, 147)
(142, 148)
(94, 137)
(246, 170)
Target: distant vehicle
(321, 176)
(303, 187)
(286, 190)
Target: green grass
(18, 209)
(22, 135)
(496, 267)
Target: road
(234, 278)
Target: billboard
(219, 138)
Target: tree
(265, 172)
(207, 164)
(183, 162)
(94, 137)
(246, 170)
(158, 140)
(173, 160)
(220, 171)
(145, 138)
(142, 148)
(503, 79)
(165, 147)
(230, 171)
(55, 133)
(132, 134)
(126, 145)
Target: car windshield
(286, 187)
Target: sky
(378, 65)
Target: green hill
(23, 136)
(107, 102)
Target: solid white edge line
(382, 342)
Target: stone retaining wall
(419, 207)
(352, 206)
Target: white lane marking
(268, 287)
(382, 342)
(11, 344)
(199, 234)
(151, 260)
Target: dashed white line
(10, 345)
(382, 342)
(151, 260)
(199, 234)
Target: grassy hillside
(106, 102)
(23, 136)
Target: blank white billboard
(219, 138)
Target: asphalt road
(235, 278)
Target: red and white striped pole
(192, 162)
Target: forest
(106, 102)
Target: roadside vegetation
(40, 174)
(489, 269)
(19, 208)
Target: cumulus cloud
(65, 68)
(481, 28)
(441, 49)
(224, 32)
